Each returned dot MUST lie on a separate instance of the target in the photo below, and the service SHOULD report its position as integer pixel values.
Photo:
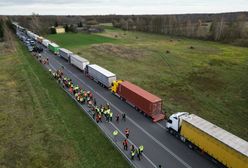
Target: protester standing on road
(117, 117)
(132, 154)
(127, 132)
(125, 144)
(100, 117)
(124, 116)
(115, 133)
(138, 153)
(107, 106)
(111, 116)
(132, 147)
(141, 149)
(97, 118)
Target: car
(32, 42)
(26, 42)
(37, 49)
(30, 48)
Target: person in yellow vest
(81, 99)
(104, 111)
(110, 116)
(141, 149)
(132, 154)
(115, 133)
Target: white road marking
(114, 127)
(134, 145)
(148, 134)
(161, 126)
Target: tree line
(224, 27)
(220, 27)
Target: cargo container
(101, 75)
(78, 61)
(64, 53)
(226, 148)
(142, 100)
(45, 42)
(54, 48)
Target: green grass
(40, 125)
(209, 80)
(72, 40)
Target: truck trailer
(45, 42)
(54, 48)
(30, 34)
(64, 53)
(78, 61)
(228, 149)
(142, 100)
(100, 75)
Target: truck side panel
(79, 64)
(135, 97)
(101, 76)
(64, 53)
(215, 148)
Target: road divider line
(148, 134)
(106, 133)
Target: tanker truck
(199, 134)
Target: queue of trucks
(199, 134)
(131, 93)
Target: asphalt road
(159, 146)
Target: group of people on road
(40, 59)
(98, 112)
(133, 151)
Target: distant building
(59, 30)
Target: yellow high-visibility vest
(115, 133)
(141, 148)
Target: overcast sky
(100, 7)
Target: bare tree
(219, 29)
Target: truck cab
(115, 85)
(173, 123)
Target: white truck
(199, 134)
(45, 42)
(78, 61)
(64, 53)
(101, 75)
(30, 34)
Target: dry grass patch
(120, 51)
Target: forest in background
(224, 27)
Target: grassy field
(201, 77)
(40, 125)
(70, 40)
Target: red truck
(142, 100)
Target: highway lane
(160, 147)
